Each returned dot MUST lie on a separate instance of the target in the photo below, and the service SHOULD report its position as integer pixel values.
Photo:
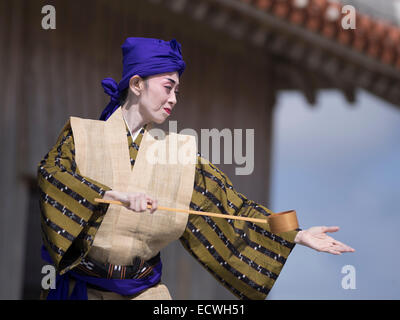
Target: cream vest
(102, 153)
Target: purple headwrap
(143, 57)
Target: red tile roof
(375, 38)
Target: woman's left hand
(316, 238)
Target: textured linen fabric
(123, 234)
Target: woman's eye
(170, 88)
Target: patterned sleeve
(245, 257)
(69, 215)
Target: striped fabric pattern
(69, 215)
(245, 257)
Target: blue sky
(339, 164)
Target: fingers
(322, 229)
(143, 204)
(316, 238)
(339, 246)
(335, 252)
(336, 247)
(330, 229)
(154, 204)
(330, 249)
(139, 202)
(342, 247)
(134, 203)
(339, 249)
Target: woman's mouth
(167, 110)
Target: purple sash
(125, 287)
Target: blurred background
(323, 100)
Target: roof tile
(376, 38)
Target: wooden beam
(381, 86)
(331, 67)
(365, 79)
(394, 93)
(314, 59)
(297, 51)
(349, 72)
(277, 43)
(349, 93)
(299, 79)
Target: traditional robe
(245, 257)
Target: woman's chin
(159, 120)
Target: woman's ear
(136, 84)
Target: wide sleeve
(69, 215)
(244, 256)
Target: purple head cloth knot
(143, 57)
(111, 88)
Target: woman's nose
(172, 98)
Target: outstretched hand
(317, 239)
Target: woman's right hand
(135, 201)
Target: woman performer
(104, 251)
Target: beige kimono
(160, 171)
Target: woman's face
(159, 97)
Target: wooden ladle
(278, 222)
